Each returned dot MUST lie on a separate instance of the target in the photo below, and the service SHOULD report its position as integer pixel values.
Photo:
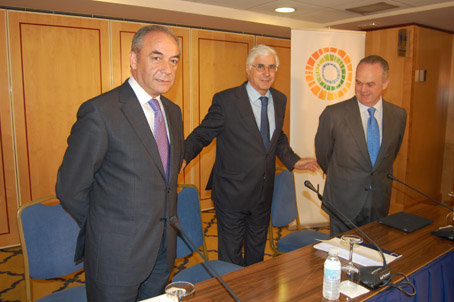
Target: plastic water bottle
(332, 275)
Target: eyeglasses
(262, 68)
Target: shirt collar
(254, 95)
(378, 106)
(141, 94)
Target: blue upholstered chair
(284, 210)
(188, 211)
(48, 237)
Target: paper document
(362, 255)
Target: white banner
(323, 64)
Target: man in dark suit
(247, 122)
(119, 174)
(356, 143)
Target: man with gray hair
(119, 175)
(247, 122)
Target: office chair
(188, 211)
(284, 210)
(48, 237)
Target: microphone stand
(176, 224)
(443, 232)
(392, 177)
(371, 276)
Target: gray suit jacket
(341, 151)
(113, 183)
(243, 172)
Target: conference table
(298, 275)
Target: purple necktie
(160, 134)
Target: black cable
(402, 284)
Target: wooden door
(8, 197)
(57, 62)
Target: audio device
(371, 276)
(445, 231)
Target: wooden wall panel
(420, 161)
(122, 34)
(219, 62)
(429, 108)
(57, 63)
(8, 197)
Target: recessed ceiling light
(285, 9)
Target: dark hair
(137, 40)
(373, 59)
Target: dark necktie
(264, 123)
(373, 136)
(160, 134)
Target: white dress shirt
(144, 98)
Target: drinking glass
(350, 271)
(179, 289)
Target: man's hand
(307, 163)
(183, 165)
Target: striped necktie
(160, 134)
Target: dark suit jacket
(113, 183)
(341, 150)
(243, 172)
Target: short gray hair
(261, 50)
(137, 40)
(373, 59)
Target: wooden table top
(298, 275)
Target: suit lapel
(172, 124)
(279, 114)
(352, 116)
(134, 113)
(245, 110)
(387, 128)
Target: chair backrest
(188, 212)
(283, 208)
(48, 237)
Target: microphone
(392, 177)
(176, 224)
(371, 276)
(444, 232)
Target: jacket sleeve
(285, 153)
(324, 140)
(203, 135)
(87, 146)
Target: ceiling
(256, 16)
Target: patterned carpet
(12, 284)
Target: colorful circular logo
(329, 73)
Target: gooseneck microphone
(443, 232)
(392, 177)
(176, 224)
(371, 276)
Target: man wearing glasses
(247, 122)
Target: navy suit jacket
(243, 172)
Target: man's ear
(133, 59)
